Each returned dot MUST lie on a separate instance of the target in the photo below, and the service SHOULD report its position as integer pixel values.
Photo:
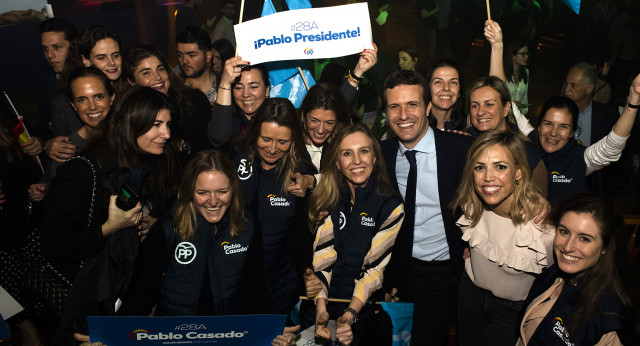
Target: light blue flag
(402, 319)
(573, 4)
(298, 4)
(284, 76)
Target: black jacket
(218, 256)
(451, 150)
(282, 245)
(612, 316)
(355, 228)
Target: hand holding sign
(305, 34)
(368, 59)
(344, 334)
(232, 70)
(312, 283)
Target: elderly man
(596, 119)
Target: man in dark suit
(596, 119)
(427, 258)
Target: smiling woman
(324, 112)
(365, 215)
(209, 197)
(83, 225)
(191, 111)
(101, 47)
(587, 298)
(90, 95)
(568, 161)
(270, 157)
(507, 250)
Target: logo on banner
(229, 248)
(342, 220)
(278, 201)
(365, 220)
(185, 252)
(308, 51)
(141, 334)
(244, 172)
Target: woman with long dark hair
(446, 86)
(144, 65)
(221, 51)
(324, 112)
(86, 235)
(589, 296)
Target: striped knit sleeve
(378, 256)
(324, 255)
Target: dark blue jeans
(484, 319)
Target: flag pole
(304, 79)
(488, 10)
(15, 111)
(240, 20)
(20, 123)
(337, 300)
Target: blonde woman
(507, 249)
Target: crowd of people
(453, 201)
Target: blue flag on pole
(284, 76)
(402, 319)
(573, 4)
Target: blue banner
(201, 330)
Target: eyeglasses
(523, 53)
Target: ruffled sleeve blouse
(505, 258)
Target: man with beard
(194, 56)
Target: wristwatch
(353, 313)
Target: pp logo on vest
(244, 172)
(342, 220)
(185, 252)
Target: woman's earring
(517, 181)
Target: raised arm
(220, 127)
(609, 148)
(368, 59)
(625, 123)
(493, 34)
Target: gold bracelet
(352, 79)
(223, 88)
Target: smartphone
(127, 198)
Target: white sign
(312, 33)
